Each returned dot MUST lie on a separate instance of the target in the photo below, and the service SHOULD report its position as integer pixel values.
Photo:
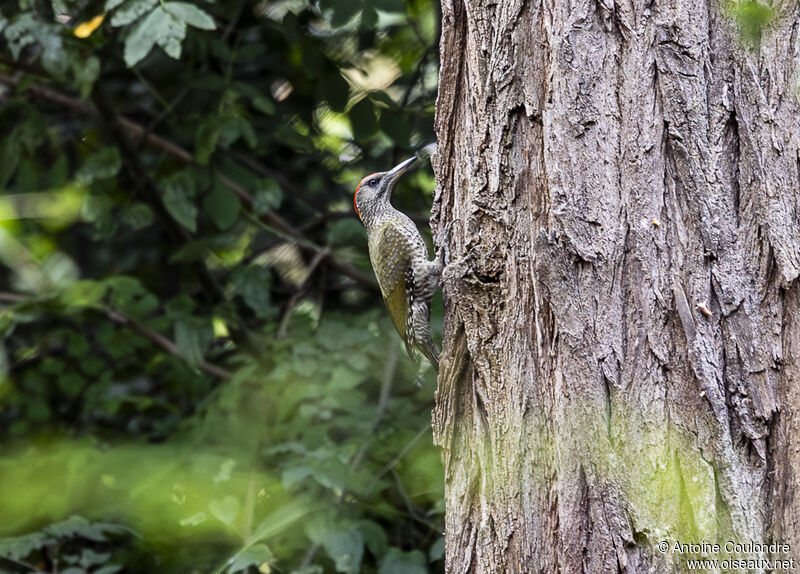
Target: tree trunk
(621, 363)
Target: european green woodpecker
(399, 256)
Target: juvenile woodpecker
(399, 256)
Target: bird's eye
(373, 181)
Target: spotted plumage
(399, 257)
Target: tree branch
(154, 336)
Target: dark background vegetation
(196, 370)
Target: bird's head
(375, 190)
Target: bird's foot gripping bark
(443, 254)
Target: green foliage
(190, 377)
(751, 17)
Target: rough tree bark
(621, 362)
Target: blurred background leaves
(196, 371)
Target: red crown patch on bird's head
(355, 195)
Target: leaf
(20, 547)
(374, 537)
(138, 216)
(253, 285)
(128, 295)
(190, 14)
(86, 71)
(176, 199)
(281, 518)
(20, 33)
(205, 139)
(193, 337)
(158, 27)
(171, 33)
(130, 11)
(85, 30)
(225, 510)
(398, 562)
(111, 4)
(91, 558)
(264, 105)
(254, 555)
(345, 546)
(102, 164)
(82, 294)
(222, 205)
(294, 474)
(267, 196)
(436, 551)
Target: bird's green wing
(392, 269)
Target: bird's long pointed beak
(400, 169)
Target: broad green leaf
(129, 11)
(253, 285)
(398, 562)
(374, 537)
(436, 551)
(264, 105)
(295, 474)
(171, 33)
(86, 71)
(225, 510)
(234, 128)
(176, 197)
(343, 543)
(19, 547)
(254, 555)
(193, 337)
(158, 27)
(83, 294)
(222, 205)
(128, 295)
(267, 196)
(102, 164)
(282, 518)
(21, 33)
(138, 216)
(111, 4)
(190, 14)
(205, 139)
